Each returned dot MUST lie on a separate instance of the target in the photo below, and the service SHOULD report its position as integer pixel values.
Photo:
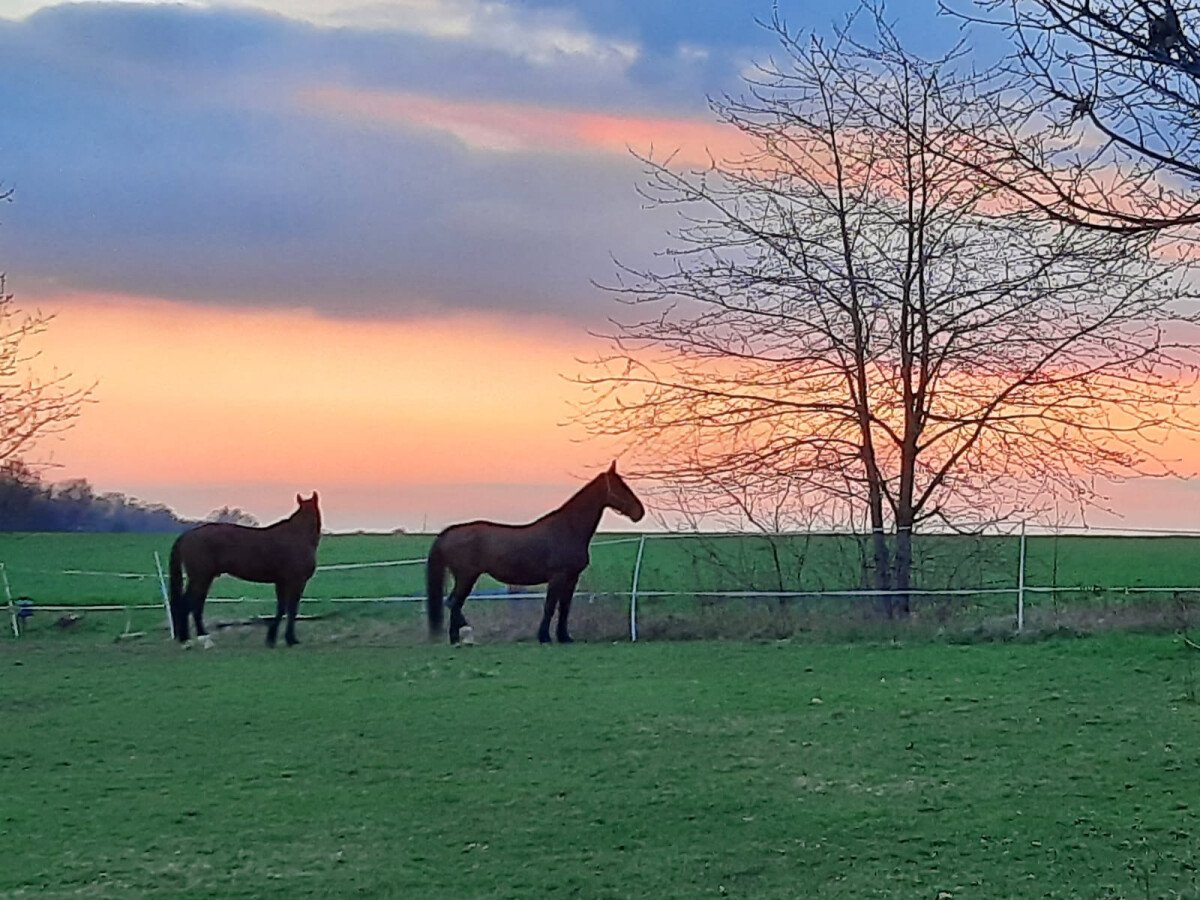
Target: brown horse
(552, 550)
(283, 554)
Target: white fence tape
(370, 565)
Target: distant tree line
(27, 503)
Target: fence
(997, 568)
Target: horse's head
(309, 510)
(620, 497)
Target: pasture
(680, 584)
(367, 764)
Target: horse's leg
(462, 589)
(566, 592)
(293, 609)
(548, 613)
(180, 612)
(193, 606)
(280, 609)
(197, 605)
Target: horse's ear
(299, 500)
(314, 497)
(612, 470)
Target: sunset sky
(350, 246)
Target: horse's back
(513, 554)
(252, 554)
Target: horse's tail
(435, 585)
(175, 567)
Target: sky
(353, 246)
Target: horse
(552, 550)
(284, 553)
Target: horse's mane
(573, 500)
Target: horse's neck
(301, 524)
(581, 514)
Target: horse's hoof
(565, 639)
(292, 642)
(205, 642)
(185, 645)
(543, 637)
(466, 637)
(270, 641)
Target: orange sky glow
(278, 402)
(200, 407)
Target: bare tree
(850, 320)
(1120, 80)
(31, 407)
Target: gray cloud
(162, 151)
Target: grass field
(373, 765)
(1092, 571)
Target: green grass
(377, 765)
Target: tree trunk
(883, 571)
(903, 571)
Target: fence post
(637, 571)
(1021, 585)
(162, 584)
(12, 609)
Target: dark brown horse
(283, 554)
(552, 550)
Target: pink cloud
(524, 128)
